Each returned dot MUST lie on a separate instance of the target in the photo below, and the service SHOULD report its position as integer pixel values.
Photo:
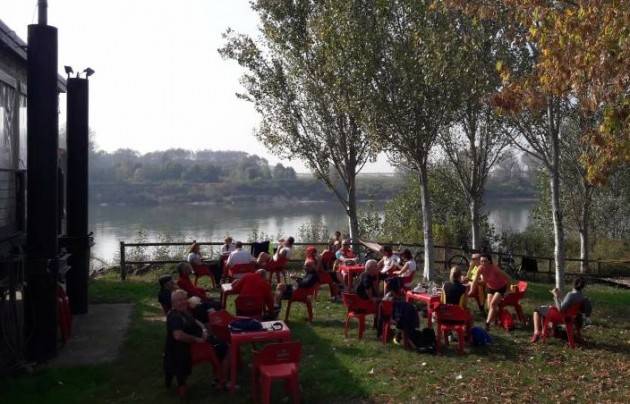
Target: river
(112, 224)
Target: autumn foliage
(580, 51)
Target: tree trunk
(353, 221)
(584, 256)
(427, 223)
(556, 210)
(475, 205)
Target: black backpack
(424, 340)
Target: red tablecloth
(267, 334)
(426, 298)
(350, 271)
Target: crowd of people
(386, 280)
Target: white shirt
(194, 258)
(239, 256)
(227, 248)
(285, 249)
(390, 262)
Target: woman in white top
(408, 269)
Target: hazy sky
(159, 80)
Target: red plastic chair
(276, 362)
(567, 318)
(64, 315)
(241, 269)
(451, 317)
(201, 271)
(278, 268)
(357, 308)
(302, 295)
(250, 306)
(203, 352)
(219, 322)
(386, 310)
(325, 279)
(514, 300)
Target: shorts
(499, 291)
(542, 310)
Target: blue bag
(480, 337)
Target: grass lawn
(338, 370)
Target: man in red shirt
(255, 285)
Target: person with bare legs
(496, 283)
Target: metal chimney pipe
(42, 12)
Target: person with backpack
(575, 297)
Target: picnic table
(350, 271)
(267, 334)
(430, 300)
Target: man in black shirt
(367, 287)
(284, 291)
(187, 338)
(167, 286)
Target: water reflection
(112, 224)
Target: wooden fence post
(123, 266)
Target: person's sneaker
(534, 338)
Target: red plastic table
(350, 271)
(426, 298)
(226, 290)
(267, 334)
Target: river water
(112, 224)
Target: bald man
(185, 338)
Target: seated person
(195, 259)
(404, 314)
(496, 283)
(167, 286)
(455, 291)
(285, 291)
(368, 285)
(184, 269)
(198, 308)
(390, 261)
(572, 298)
(238, 256)
(279, 258)
(408, 269)
(186, 337)
(327, 263)
(337, 241)
(345, 253)
(255, 285)
(228, 246)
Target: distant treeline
(206, 176)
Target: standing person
(228, 246)
(471, 276)
(195, 259)
(187, 338)
(496, 283)
(337, 240)
(572, 298)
